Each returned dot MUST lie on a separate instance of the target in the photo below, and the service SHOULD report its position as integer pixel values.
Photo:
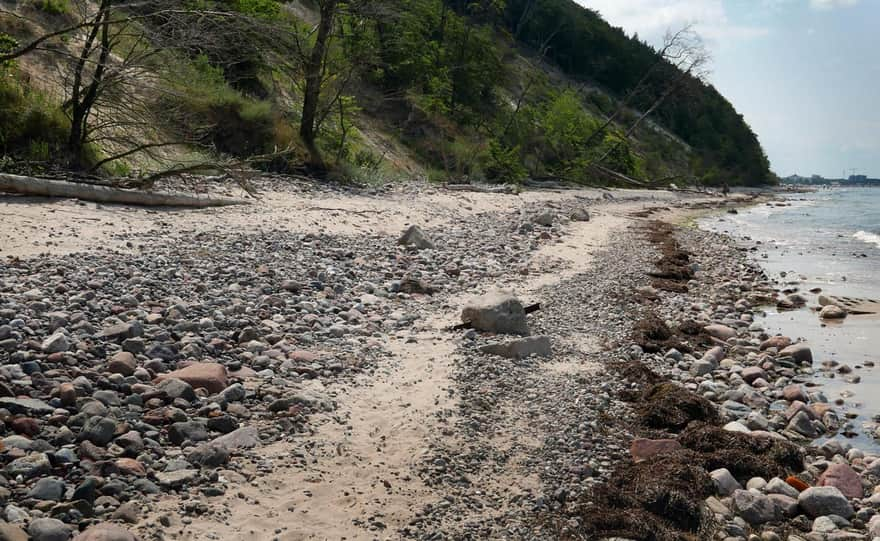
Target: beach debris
(671, 406)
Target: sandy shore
(390, 458)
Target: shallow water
(828, 240)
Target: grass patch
(32, 125)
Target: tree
(314, 78)
(683, 56)
(83, 95)
(117, 70)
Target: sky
(805, 74)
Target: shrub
(31, 125)
(504, 164)
(53, 7)
(7, 44)
(268, 9)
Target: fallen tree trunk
(104, 194)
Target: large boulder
(243, 438)
(26, 406)
(844, 478)
(29, 466)
(832, 312)
(56, 343)
(800, 352)
(211, 376)
(778, 342)
(521, 348)
(49, 529)
(498, 311)
(123, 363)
(755, 508)
(722, 332)
(724, 481)
(414, 237)
(820, 501)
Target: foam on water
(870, 238)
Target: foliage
(224, 118)
(31, 125)
(7, 44)
(504, 164)
(458, 80)
(588, 48)
(268, 9)
(53, 7)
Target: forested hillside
(457, 90)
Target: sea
(828, 241)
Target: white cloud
(831, 4)
(652, 18)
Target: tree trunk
(83, 98)
(308, 128)
(104, 194)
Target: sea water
(827, 240)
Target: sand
(360, 480)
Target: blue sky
(805, 74)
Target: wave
(870, 238)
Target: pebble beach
(408, 362)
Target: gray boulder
(499, 312)
(580, 215)
(56, 343)
(800, 352)
(243, 438)
(26, 406)
(803, 425)
(755, 508)
(414, 237)
(724, 481)
(48, 488)
(98, 430)
(193, 431)
(49, 529)
(820, 501)
(29, 466)
(210, 455)
(177, 388)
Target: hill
(453, 90)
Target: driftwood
(104, 194)
(482, 188)
(528, 309)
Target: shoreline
(374, 409)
